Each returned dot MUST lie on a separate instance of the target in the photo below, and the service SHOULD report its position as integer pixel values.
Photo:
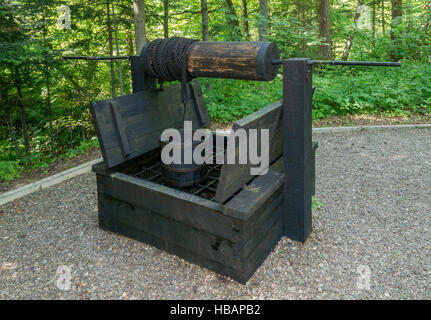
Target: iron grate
(152, 172)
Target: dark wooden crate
(234, 231)
(232, 239)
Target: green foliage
(340, 91)
(229, 100)
(315, 203)
(83, 147)
(31, 47)
(9, 170)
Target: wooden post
(140, 80)
(297, 148)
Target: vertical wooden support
(140, 80)
(297, 149)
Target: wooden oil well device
(230, 220)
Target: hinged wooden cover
(131, 125)
(234, 176)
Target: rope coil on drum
(166, 60)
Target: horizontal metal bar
(349, 63)
(94, 58)
(357, 63)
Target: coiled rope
(166, 60)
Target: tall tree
(263, 21)
(324, 29)
(204, 13)
(374, 23)
(232, 20)
(166, 18)
(245, 20)
(349, 41)
(383, 17)
(21, 106)
(10, 124)
(117, 49)
(139, 20)
(111, 50)
(397, 13)
(48, 87)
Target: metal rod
(94, 58)
(349, 63)
(357, 63)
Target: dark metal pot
(183, 175)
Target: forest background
(44, 115)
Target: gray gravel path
(376, 220)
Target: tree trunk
(204, 12)
(245, 20)
(10, 124)
(349, 41)
(111, 50)
(232, 20)
(21, 107)
(166, 19)
(324, 29)
(428, 16)
(263, 23)
(117, 48)
(397, 7)
(397, 12)
(374, 23)
(130, 48)
(49, 108)
(139, 20)
(383, 17)
(48, 90)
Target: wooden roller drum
(233, 60)
(229, 60)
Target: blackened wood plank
(261, 230)
(180, 206)
(172, 248)
(251, 197)
(144, 115)
(258, 256)
(119, 125)
(234, 176)
(297, 147)
(171, 231)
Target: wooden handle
(234, 60)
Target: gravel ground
(371, 238)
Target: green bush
(340, 91)
(9, 170)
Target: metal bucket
(183, 175)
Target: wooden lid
(129, 126)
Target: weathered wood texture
(234, 60)
(140, 80)
(279, 167)
(232, 242)
(297, 147)
(234, 176)
(130, 126)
